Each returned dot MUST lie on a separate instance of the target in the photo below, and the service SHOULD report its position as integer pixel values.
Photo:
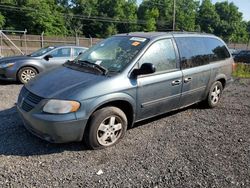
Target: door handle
(186, 80)
(176, 82)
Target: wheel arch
(34, 67)
(221, 78)
(126, 104)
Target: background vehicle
(242, 57)
(23, 68)
(124, 79)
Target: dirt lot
(194, 147)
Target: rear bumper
(66, 130)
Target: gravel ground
(193, 147)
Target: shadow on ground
(3, 82)
(16, 140)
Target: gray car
(23, 68)
(122, 80)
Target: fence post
(25, 41)
(91, 41)
(42, 39)
(77, 40)
(1, 42)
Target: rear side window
(62, 52)
(161, 54)
(198, 51)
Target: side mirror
(146, 68)
(47, 57)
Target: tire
(214, 94)
(106, 127)
(25, 74)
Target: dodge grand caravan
(122, 80)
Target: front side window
(41, 51)
(62, 52)
(161, 54)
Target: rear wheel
(25, 74)
(214, 95)
(106, 127)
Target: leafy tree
(129, 13)
(46, 18)
(155, 15)
(208, 19)
(231, 27)
(186, 11)
(2, 20)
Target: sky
(244, 7)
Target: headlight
(61, 106)
(7, 65)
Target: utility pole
(174, 2)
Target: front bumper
(8, 74)
(53, 128)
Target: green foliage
(208, 19)
(2, 20)
(102, 18)
(242, 70)
(186, 12)
(230, 27)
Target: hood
(13, 59)
(62, 83)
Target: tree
(231, 26)
(207, 18)
(2, 20)
(155, 15)
(186, 11)
(44, 16)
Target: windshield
(114, 53)
(41, 51)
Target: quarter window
(161, 54)
(198, 51)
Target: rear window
(198, 51)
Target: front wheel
(25, 74)
(106, 127)
(214, 95)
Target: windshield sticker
(136, 43)
(98, 62)
(138, 39)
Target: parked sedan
(24, 68)
(242, 57)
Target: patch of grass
(242, 70)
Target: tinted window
(62, 52)
(198, 51)
(161, 54)
(216, 49)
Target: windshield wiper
(93, 65)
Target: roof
(69, 46)
(158, 34)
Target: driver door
(59, 56)
(159, 92)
